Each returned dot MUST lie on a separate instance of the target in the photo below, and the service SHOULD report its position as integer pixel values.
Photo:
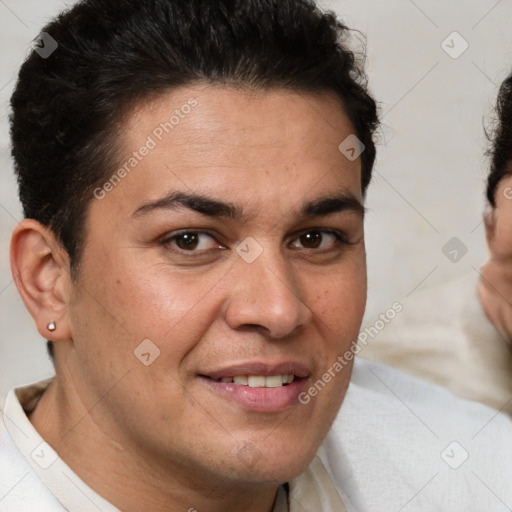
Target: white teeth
(274, 381)
(260, 381)
(256, 381)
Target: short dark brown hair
(501, 140)
(111, 54)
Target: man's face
(234, 247)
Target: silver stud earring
(51, 326)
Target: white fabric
(384, 453)
(385, 447)
(26, 484)
(443, 335)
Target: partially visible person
(459, 334)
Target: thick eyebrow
(341, 202)
(210, 207)
(197, 202)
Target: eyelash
(340, 240)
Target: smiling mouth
(259, 390)
(258, 381)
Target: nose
(266, 296)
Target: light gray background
(430, 173)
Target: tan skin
(156, 437)
(495, 287)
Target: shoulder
(400, 441)
(20, 486)
(390, 390)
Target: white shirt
(443, 335)
(398, 444)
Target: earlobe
(40, 268)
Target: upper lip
(260, 368)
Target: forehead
(226, 108)
(250, 144)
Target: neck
(125, 475)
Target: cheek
(132, 302)
(338, 299)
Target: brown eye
(191, 241)
(311, 240)
(188, 241)
(319, 239)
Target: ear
(41, 270)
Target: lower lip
(259, 399)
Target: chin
(276, 464)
